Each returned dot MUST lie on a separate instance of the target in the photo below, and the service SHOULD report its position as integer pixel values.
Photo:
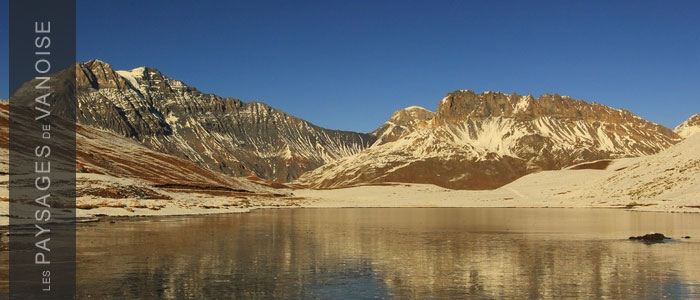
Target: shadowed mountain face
(221, 134)
(483, 141)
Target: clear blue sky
(349, 65)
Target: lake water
(392, 253)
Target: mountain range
(176, 133)
(483, 141)
(221, 134)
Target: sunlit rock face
(402, 122)
(483, 141)
(471, 141)
(222, 134)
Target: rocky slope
(222, 134)
(104, 161)
(116, 175)
(483, 141)
(689, 127)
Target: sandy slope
(168, 201)
(668, 181)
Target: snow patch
(171, 119)
(132, 76)
(523, 103)
(416, 107)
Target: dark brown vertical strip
(42, 149)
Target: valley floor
(574, 188)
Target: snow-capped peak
(689, 127)
(132, 75)
(414, 107)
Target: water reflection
(392, 254)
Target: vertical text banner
(42, 149)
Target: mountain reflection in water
(383, 253)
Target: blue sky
(348, 65)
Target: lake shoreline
(396, 195)
(120, 218)
(85, 219)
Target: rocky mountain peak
(411, 114)
(466, 104)
(688, 127)
(97, 74)
(477, 141)
(218, 133)
(401, 122)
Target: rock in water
(651, 237)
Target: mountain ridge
(220, 133)
(482, 141)
(471, 141)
